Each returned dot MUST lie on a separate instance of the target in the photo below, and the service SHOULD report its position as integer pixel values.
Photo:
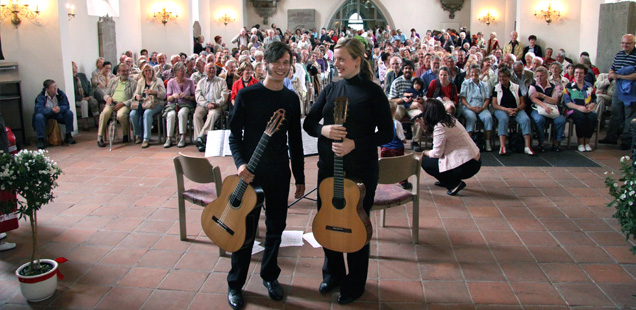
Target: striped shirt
(399, 86)
(623, 60)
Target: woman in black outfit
(368, 109)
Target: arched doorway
(358, 14)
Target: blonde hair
(355, 48)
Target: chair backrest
(398, 168)
(197, 169)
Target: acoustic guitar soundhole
(338, 203)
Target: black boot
(69, 139)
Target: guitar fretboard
(338, 175)
(251, 167)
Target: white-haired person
(181, 100)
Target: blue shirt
(475, 93)
(428, 77)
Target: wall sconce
(487, 18)
(549, 14)
(70, 9)
(165, 16)
(225, 19)
(16, 10)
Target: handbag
(148, 103)
(553, 114)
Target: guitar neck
(338, 176)
(251, 166)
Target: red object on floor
(8, 221)
(13, 148)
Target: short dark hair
(407, 62)
(418, 81)
(433, 113)
(106, 63)
(585, 54)
(276, 50)
(532, 37)
(582, 67)
(47, 83)
(143, 50)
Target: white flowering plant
(624, 193)
(33, 176)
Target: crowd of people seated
(480, 81)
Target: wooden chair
(199, 170)
(388, 194)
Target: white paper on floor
(292, 238)
(309, 237)
(257, 248)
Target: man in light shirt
(211, 97)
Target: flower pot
(38, 287)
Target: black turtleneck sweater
(368, 109)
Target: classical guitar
(341, 223)
(223, 220)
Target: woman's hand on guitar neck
(343, 148)
(334, 132)
(244, 174)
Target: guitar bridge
(225, 227)
(339, 229)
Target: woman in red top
(446, 91)
(246, 71)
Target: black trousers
(451, 178)
(276, 190)
(585, 123)
(333, 269)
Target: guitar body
(223, 222)
(342, 226)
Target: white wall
(84, 44)
(128, 27)
(173, 38)
(421, 17)
(36, 46)
(233, 7)
(496, 8)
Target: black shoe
(40, 144)
(125, 139)
(406, 185)
(100, 143)
(456, 190)
(201, 148)
(274, 289)
(199, 143)
(344, 299)
(624, 147)
(235, 299)
(607, 141)
(541, 149)
(556, 148)
(328, 286)
(69, 139)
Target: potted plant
(32, 175)
(624, 193)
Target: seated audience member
(181, 100)
(533, 47)
(118, 97)
(211, 97)
(508, 102)
(153, 59)
(493, 44)
(393, 72)
(454, 156)
(487, 74)
(443, 89)
(457, 75)
(246, 72)
(568, 72)
(300, 75)
(556, 78)
(198, 44)
(579, 97)
(424, 62)
(475, 99)
(522, 77)
(406, 103)
(147, 85)
(543, 93)
(84, 97)
(527, 61)
(161, 64)
(590, 77)
(169, 74)
(133, 69)
(122, 59)
(199, 72)
(190, 65)
(514, 46)
(560, 58)
(52, 103)
(229, 73)
(590, 66)
(99, 63)
(433, 72)
(100, 81)
(259, 71)
(536, 62)
(548, 60)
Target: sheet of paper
(292, 238)
(217, 143)
(257, 248)
(309, 237)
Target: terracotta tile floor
(516, 238)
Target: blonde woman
(148, 85)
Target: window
(358, 14)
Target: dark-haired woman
(454, 156)
(579, 97)
(357, 142)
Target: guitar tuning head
(340, 110)
(275, 122)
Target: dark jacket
(86, 85)
(537, 52)
(40, 103)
